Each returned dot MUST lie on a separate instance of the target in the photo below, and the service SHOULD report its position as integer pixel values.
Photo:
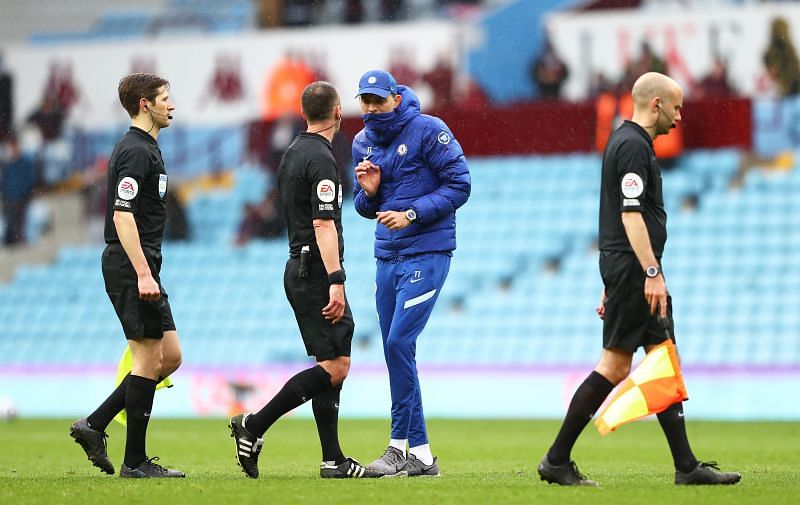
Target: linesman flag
(123, 369)
(656, 384)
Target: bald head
(653, 85)
(657, 103)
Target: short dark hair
(318, 100)
(134, 87)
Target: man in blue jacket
(411, 176)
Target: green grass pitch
(481, 462)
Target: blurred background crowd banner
(602, 46)
(531, 89)
(220, 82)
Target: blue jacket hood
(383, 128)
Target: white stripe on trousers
(419, 299)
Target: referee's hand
(655, 291)
(148, 288)
(601, 308)
(334, 311)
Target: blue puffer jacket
(422, 168)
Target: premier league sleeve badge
(162, 185)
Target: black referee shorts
(627, 324)
(140, 319)
(308, 296)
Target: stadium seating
(176, 17)
(188, 152)
(521, 291)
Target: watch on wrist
(652, 271)
(411, 215)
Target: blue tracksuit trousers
(407, 289)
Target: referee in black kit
(131, 261)
(635, 305)
(311, 191)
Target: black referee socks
(585, 402)
(326, 414)
(138, 404)
(101, 418)
(299, 389)
(674, 427)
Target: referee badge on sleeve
(632, 185)
(162, 185)
(127, 188)
(325, 191)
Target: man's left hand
(392, 219)
(601, 308)
(334, 311)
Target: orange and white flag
(656, 384)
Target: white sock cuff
(399, 444)
(423, 453)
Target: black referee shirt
(631, 182)
(310, 189)
(137, 183)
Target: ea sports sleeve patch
(126, 193)
(132, 165)
(326, 194)
(632, 185)
(633, 162)
(326, 191)
(632, 189)
(326, 199)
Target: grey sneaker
(706, 474)
(348, 469)
(149, 469)
(416, 468)
(93, 443)
(247, 445)
(565, 475)
(391, 464)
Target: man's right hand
(149, 290)
(655, 292)
(369, 177)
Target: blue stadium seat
(522, 287)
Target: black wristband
(337, 277)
